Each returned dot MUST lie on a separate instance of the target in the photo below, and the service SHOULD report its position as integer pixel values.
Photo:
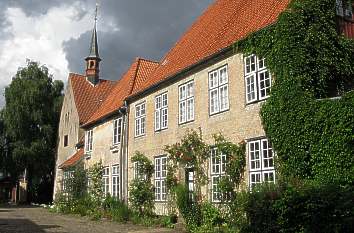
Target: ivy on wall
(312, 134)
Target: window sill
(139, 136)
(88, 155)
(256, 101)
(185, 123)
(161, 130)
(218, 113)
(114, 148)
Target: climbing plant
(192, 152)
(95, 188)
(141, 190)
(312, 134)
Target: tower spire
(93, 60)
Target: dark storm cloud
(147, 29)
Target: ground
(30, 219)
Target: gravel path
(29, 219)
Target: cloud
(40, 38)
(57, 33)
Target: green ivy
(141, 190)
(313, 136)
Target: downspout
(123, 170)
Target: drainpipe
(123, 163)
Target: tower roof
(94, 43)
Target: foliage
(95, 174)
(193, 152)
(299, 208)
(313, 139)
(31, 116)
(189, 209)
(141, 190)
(116, 209)
(235, 168)
(76, 184)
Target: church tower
(93, 60)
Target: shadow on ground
(23, 226)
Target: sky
(57, 33)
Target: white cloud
(40, 38)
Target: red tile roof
(73, 160)
(88, 98)
(131, 80)
(222, 24)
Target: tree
(31, 117)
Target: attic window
(66, 140)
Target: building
(200, 83)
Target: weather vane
(96, 11)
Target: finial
(96, 11)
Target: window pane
(157, 119)
(214, 105)
(182, 111)
(190, 89)
(164, 118)
(164, 100)
(224, 98)
(250, 88)
(223, 76)
(264, 84)
(190, 109)
(182, 92)
(213, 79)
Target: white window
(160, 178)
(117, 130)
(218, 162)
(138, 173)
(67, 176)
(105, 180)
(261, 162)
(140, 119)
(88, 140)
(115, 181)
(218, 90)
(258, 80)
(186, 102)
(161, 112)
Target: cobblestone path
(29, 219)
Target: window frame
(212, 88)
(115, 177)
(106, 181)
(89, 140)
(260, 170)
(140, 120)
(188, 101)
(220, 162)
(117, 130)
(160, 175)
(252, 76)
(161, 110)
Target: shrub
(299, 208)
(117, 209)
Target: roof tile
(88, 98)
(73, 160)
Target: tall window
(261, 162)
(88, 140)
(66, 140)
(105, 180)
(258, 79)
(218, 90)
(218, 169)
(67, 175)
(138, 173)
(161, 112)
(160, 178)
(117, 130)
(140, 119)
(186, 102)
(115, 181)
